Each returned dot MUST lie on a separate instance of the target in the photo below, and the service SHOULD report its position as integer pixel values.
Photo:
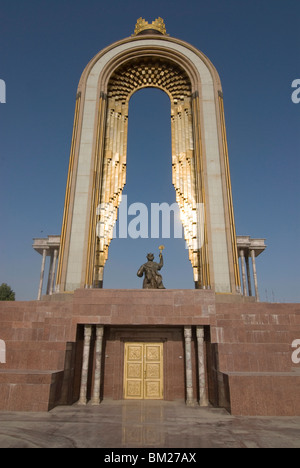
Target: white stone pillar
(85, 364)
(255, 275)
(42, 275)
(203, 401)
(53, 269)
(188, 366)
(242, 255)
(97, 379)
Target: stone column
(42, 275)
(85, 364)
(242, 255)
(188, 366)
(53, 271)
(97, 379)
(248, 275)
(255, 275)
(203, 401)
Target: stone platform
(249, 368)
(145, 424)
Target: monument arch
(200, 168)
(175, 344)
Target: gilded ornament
(143, 25)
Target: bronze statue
(152, 279)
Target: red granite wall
(255, 353)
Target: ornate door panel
(133, 375)
(153, 371)
(143, 371)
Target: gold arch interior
(111, 170)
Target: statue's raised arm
(161, 262)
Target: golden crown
(157, 24)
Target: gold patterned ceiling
(149, 72)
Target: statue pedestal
(191, 345)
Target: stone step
(264, 393)
(28, 390)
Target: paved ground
(146, 424)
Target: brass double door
(143, 371)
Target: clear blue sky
(254, 44)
